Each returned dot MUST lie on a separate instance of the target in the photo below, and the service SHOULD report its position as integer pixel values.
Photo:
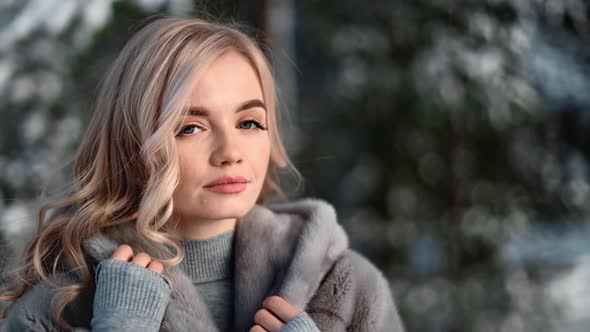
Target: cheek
(190, 165)
(262, 154)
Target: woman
(170, 226)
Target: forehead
(230, 80)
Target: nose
(226, 151)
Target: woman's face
(221, 138)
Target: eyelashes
(256, 123)
(189, 129)
(183, 130)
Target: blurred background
(452, 136)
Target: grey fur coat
(296, 250)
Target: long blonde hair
(126, 168)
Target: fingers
(268, 321)
(280, 308)
(257, 328)
(156, 266)
(275, 314)
(142, 259)
(125, 253)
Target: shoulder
(360, 277)
(369, 279)
(374, 307)
(355, 294)
(34, 310)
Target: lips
(225, 180)
(228, 185)
(228, 188)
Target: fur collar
(282, 249)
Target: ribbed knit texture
(209, 265)
(128, 290)
(301, 323)
(209, 259)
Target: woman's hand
(125, 253)
(276, 313)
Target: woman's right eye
(188, 130)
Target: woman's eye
(188, 130)
(255, 123)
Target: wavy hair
(126, 168)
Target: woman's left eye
(255, 123)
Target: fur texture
(296, 250)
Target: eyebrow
(202, 111)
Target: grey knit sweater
(208, 263)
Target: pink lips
(228, 185)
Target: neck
(191, 229)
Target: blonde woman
(170, 224)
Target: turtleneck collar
(209, 259)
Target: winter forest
(452, 136)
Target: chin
(226, 207)
(211, 205)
